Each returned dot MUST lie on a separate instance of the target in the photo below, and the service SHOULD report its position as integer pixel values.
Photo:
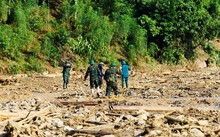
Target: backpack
(93, 71)
(111, 77)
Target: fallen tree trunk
(97, 123)
(95, 133)
(156, 108)
(118, 115)
(87, 103)
(146, 108)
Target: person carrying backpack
(111, 79)
(66, 73)
(124, 76)
(100, 75)
(93, 72)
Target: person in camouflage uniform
(93, 72)
(111, 79)
(66, 73)
(100, 75)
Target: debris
(146, 108)
(97, 123)
(175, 119)
(90, 132)
(87, 103)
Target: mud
(196, 92)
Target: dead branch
(87, 103)
(147, 108)
(97, 123)
(95, 133)
(118, 115)
(42, 112)
(174, 119)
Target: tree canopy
(37, 32)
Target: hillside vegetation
(39, 33)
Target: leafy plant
(172, 55)
(3, 11)
(13, 68)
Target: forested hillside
(38, 33)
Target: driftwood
(17, 129)
(86, 103)
(20, 125)
(95, 133)
(147, 108)
(174, 119)
(118, 115)
(7, 115)
(97, 123)
(29, 117)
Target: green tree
(3, 11)
(182, 24)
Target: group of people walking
(96, 75)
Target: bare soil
(196, 92)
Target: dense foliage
(39, 32)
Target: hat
(113, 64)
(123, 62)
(92, 62)
(101, 63)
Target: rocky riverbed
(167, 103)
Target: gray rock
(130, 118)
(203, 122)
(138, 132)
(58, 123)
(67, 129)
(158, 121)
(47, 134)
(155, 132)
(184, 134)
(200, 63)
(192, 119)
(196, 133)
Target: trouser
(110, 87)
(94, 85)
(97, 92)
(65, 81)
(124, 79)
(100, 81)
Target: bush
(172, 55)
(14, 68)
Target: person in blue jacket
(124, 75)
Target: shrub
(13, 68)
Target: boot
(98, 92)
(92, 92)
(64, 85)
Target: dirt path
(155, 87)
